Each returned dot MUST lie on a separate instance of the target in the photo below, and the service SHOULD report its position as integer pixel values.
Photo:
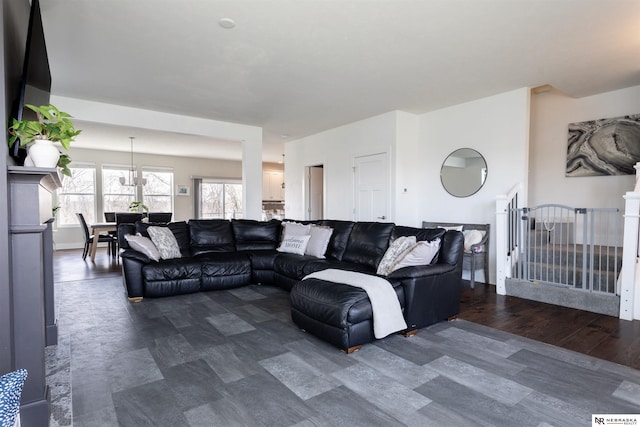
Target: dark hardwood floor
(597, 335)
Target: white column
(629, 294)
(501, 244)
(252, 178)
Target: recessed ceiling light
(284, 136)
(227, 23)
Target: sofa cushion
(262, 259)
(224, 263)
(339, 238)
(292, 266)
(322, 264)
(172, 269)
(179, 229)
(211, 235)
(335, 304)
(165, 242)
(367, 243)
(427, 234)
(251, 234)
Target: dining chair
(88, 238)
(128, 217)
(111, 217)
(160, 217)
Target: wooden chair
(477, 254)
(102, 238)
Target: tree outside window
(220, 200)
(77, 195)
(115, 196)
(157, 194)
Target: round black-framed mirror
(463, 172)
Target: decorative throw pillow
(165, 242)
(471, 237)
(396, 249)
(294, 244)
(319, 241)
(10, 391)
(421, 254)
(295, 229)
(144, 245)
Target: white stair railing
(505, 236)
(630, 273)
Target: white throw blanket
(387, 313)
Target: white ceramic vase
(43, 154)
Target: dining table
(97, 228)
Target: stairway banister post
(629, 293)
(501, 244)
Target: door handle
(382, 217)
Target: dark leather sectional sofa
(222, 254)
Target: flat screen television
(35, 83)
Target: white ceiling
(297, 67)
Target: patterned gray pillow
(165, 242)
(396, 249)
(421, 254)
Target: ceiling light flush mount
(133, 180)
(227, 23)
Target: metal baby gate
(571, 247)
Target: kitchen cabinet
(272, 185)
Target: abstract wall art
(604, 147)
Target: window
(115, 196)
(157, 194)
(77, 195)
(216, 199)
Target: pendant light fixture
(133, 180)
(282, 185)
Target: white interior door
(371, 188)
(315, 192)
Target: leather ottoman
(337, 313)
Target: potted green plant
(138, 207)
(52, 126)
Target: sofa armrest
(420, 271)
(430, 297)
(132, 263)
(136, 255)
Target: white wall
(498, 127)
(551, 113)
(183, 169)
(408, 169)
(336, 149)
